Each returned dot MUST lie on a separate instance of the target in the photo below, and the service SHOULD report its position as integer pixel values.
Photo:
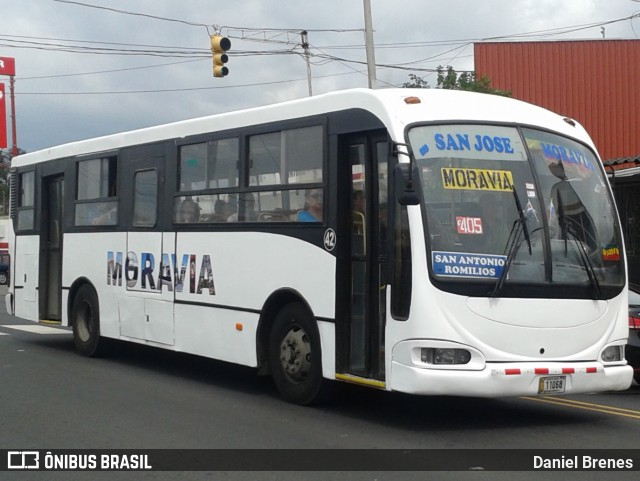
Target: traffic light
(219, 46)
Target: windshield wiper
(568, 228)
(562, 220)
(519, 227)
(523, 219)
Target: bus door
(146, 309)
(50, 276)
(361, 283)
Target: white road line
(37, 329)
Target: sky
(89, 68)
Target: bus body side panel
(25, 279)
(220, 282)
(221, 320)
(218, 333)
(94, 249)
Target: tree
(416, 82)
(450, 79)
(5, 165)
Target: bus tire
(295, 355)
(85, 318)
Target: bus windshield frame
(515, 211)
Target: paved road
(143, 398)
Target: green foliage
(449, 79)
(416, 82)
(5, 163)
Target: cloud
(420, 35)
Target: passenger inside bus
(312, 207)
(247, 209)
(189, 211)
(358, 201)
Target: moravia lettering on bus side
(477, 179)
(144, 275)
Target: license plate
(552, 384)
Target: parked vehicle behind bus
(633, 347)
(5, 268)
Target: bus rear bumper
(510, 379)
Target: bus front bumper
(510, 379)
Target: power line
(116, 10)
(188, 89)
(196, 24)
(171, 52)
(99, 72)
(90, 42)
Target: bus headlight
(439, 355)
(432, 355)
(612, 354)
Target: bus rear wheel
(295, 356)
(85, 317)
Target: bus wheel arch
(276, 301)
(294, 354)
(84, 317)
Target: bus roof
(389, 105)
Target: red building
(596, 82)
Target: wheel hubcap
(295, 354)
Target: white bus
(425, 241)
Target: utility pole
(368, 34)
(305, 46)
(14, 136)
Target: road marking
(36, 329)
(630, 413)
(4, 333)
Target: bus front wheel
(85, 317)
(295, 355)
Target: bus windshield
(510, 207)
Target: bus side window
(96, 195)
(145, 200)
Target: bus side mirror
(404, 185)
